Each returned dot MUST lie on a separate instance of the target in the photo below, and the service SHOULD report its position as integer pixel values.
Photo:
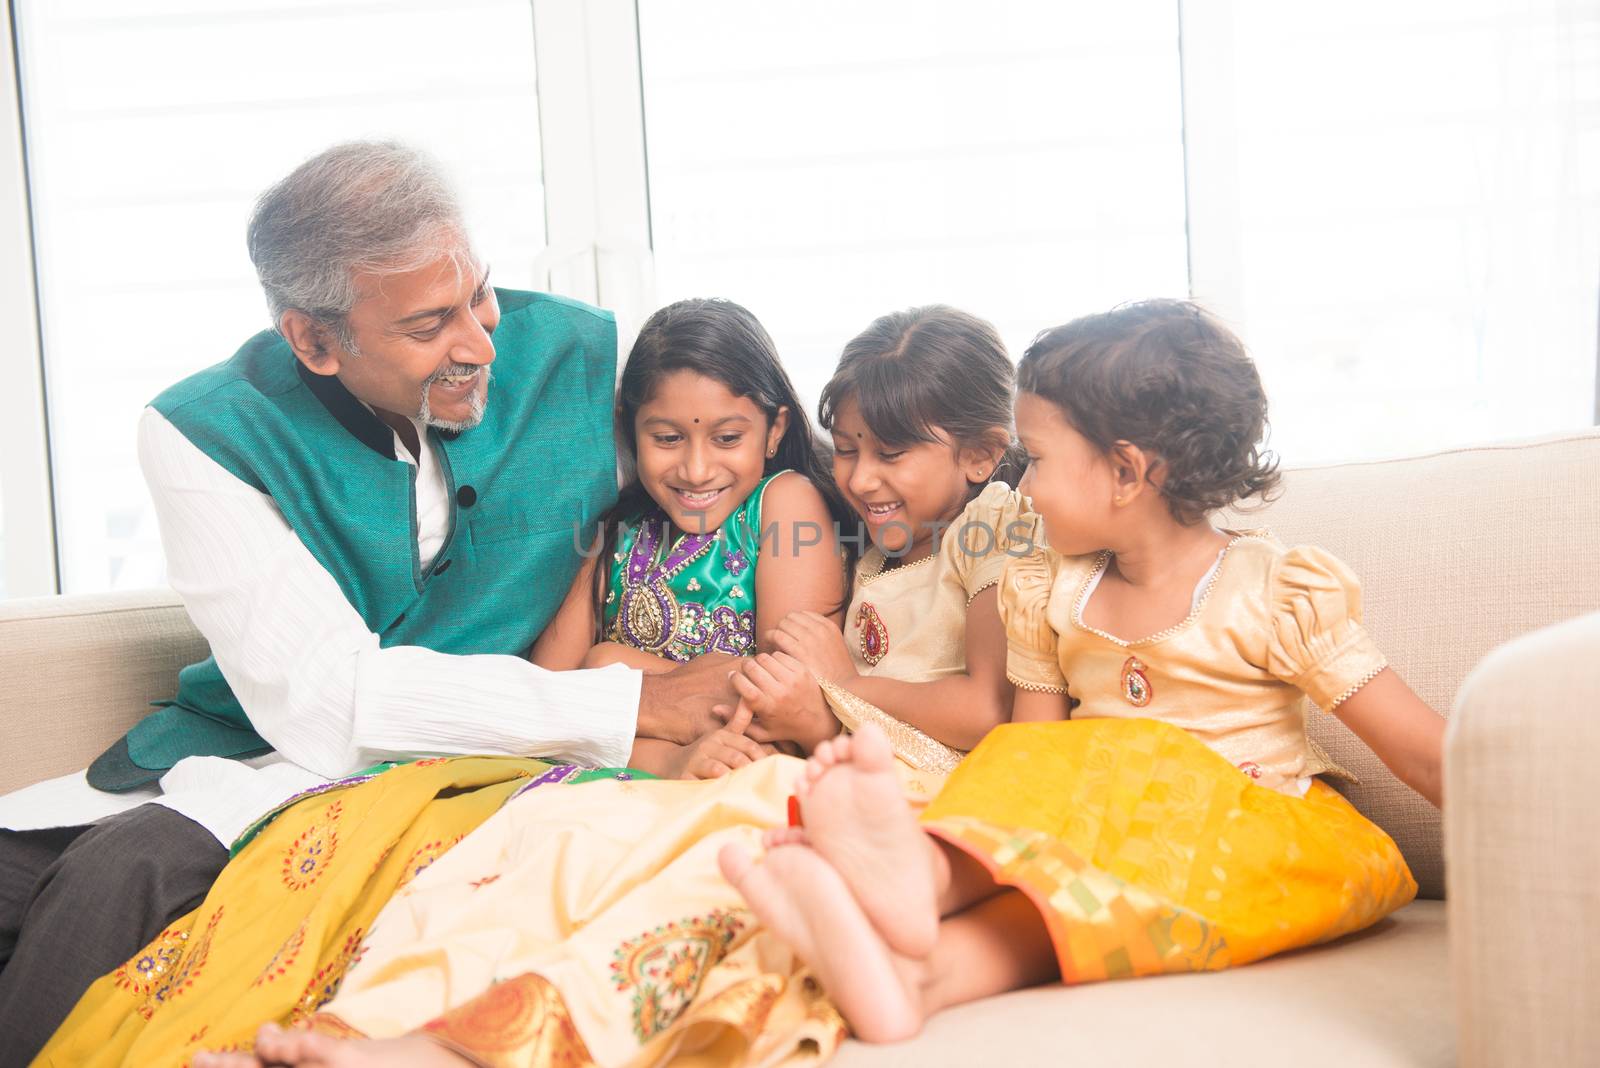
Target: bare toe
(735, 863)
(277, 1045)
(870, 749)
(782, 836)
(225, 1060)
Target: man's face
(424, 342)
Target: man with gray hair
(368, 544)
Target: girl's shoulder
(787, 498)
(995, 503)
(996, 527)
(1259, 561)
(1308, 604)
(1046, 582)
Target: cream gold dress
(909, 622)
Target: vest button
(466, 496)
(441, 569)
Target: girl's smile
(904, 494)
(702, 450)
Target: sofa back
(76, 672)
(1458, 552)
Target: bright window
(1397, 206)
(1416, 257)
(152, 129)
(823, 163)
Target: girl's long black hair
(722, 341)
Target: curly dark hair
(1168, 377)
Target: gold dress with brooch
(909, 622)
(1173, 823)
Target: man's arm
(312, 677)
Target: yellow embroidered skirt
(287, 916)
(594, 927)
(1148, 853)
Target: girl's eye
(728, 440)
(667, 440)
(845, 453)
(891, 457)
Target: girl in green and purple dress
(726, 526)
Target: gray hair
(359, 206)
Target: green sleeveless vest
(526, 487)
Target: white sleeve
(309, 673)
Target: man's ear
(312, 342)
(1133, 471)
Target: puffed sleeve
(1031, 642)
(996, 528)
(1316, 640)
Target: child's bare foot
(305, 1049)
(800, 898)
(856, 816)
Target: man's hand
(678, 705)
(812, 639)
(786, 700)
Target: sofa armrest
(76, 672)
(1521, 853)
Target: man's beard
(475, 400)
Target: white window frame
(591, 123)
(32, 566)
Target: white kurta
(311, 675)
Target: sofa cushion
(1375, 999)
(1458, 551)
(79, 671)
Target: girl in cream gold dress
(1171, 817)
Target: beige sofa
(1461, 552)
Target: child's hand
(786, 700)
(813, 640)
(719, 751)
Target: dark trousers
(77, 902)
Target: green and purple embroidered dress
(681, 597)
